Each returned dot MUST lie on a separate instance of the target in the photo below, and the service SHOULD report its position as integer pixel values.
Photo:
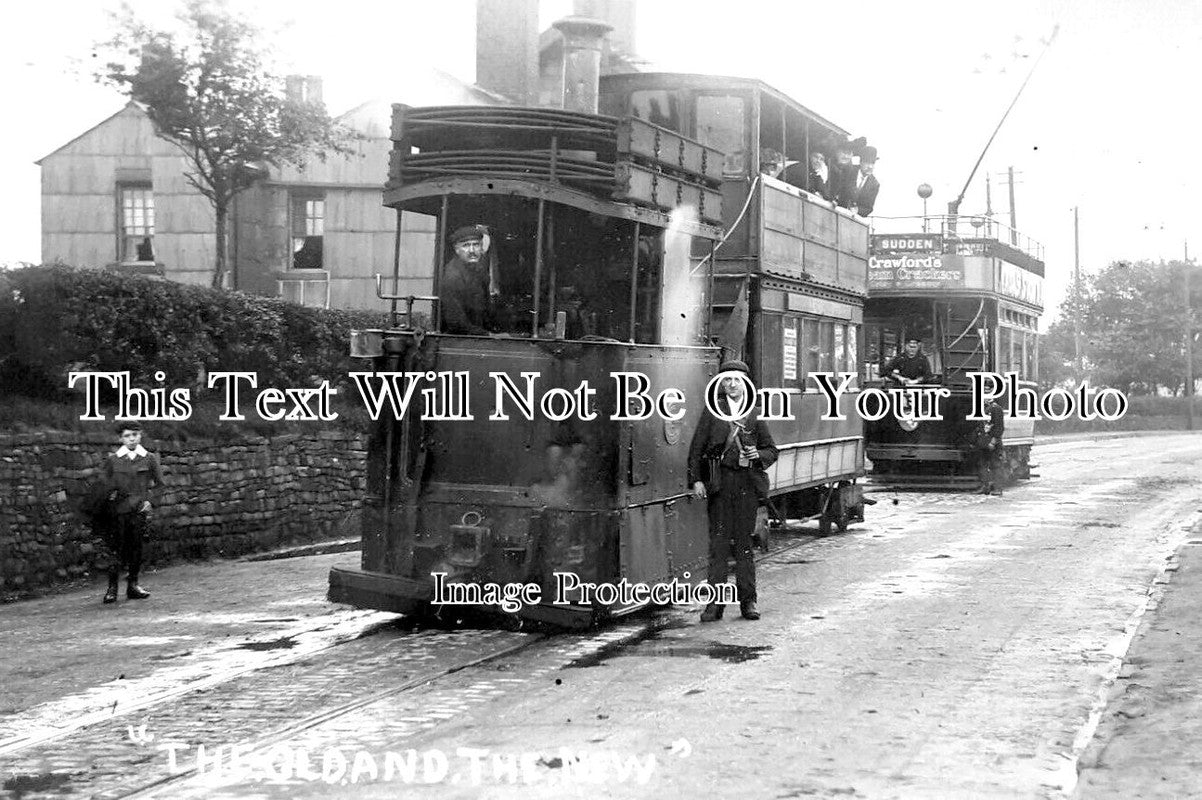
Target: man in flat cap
(727, 463)
(466, 290)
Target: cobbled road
(952, 646)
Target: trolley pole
(1189, 347)
(1077, 294)
(1013, 217)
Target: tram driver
(469, 287)
(909, 367)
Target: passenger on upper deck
(909, 367)
(467, 290)
(843, 175)
(818, 179)
(772, 162)
(867, 185)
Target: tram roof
(694, 79)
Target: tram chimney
(583, 43)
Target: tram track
(266, 742)
(625, 631)
(138, 769)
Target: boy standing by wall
(133, 471)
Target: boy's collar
(125, 452)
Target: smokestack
(583, 42)
(619, 14)
(507, 48)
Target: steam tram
(974, 301)
(605, 231)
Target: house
(116, 196)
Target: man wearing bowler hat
(867, 186)
(466, 290)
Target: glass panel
(308, 228)
(839, 349)
(826, 347)
(657, 107)
(137, 223)
(810, 346)
(721, 122)
(1032, 340)
(853, 333)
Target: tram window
(850, 361)
(1032, 350)
(840, 348)
(656, 106)
(721, 122)
(810, 346)
(588, 268)
(826, 345)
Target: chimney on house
(619, 14)
(507, 48)
(583, 41)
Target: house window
(308, 229)
(137, 223)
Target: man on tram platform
(469, 285)
(909, 367)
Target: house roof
(131, 105)
(371, 117)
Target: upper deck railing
(961, 227)
(624, 160)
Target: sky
(1104, 125)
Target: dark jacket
(710, 439)
(916, 367)
(464, 297)
(997, 420)
(842, 187)
(866, 196)
(133, 477)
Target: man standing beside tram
(727, 463)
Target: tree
(1133, 318)
(208, 90)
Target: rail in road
(153, 745)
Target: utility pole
(1189, 347)
(1013, 218)
(1077, 293)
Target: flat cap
(468, 232)
(734, 365)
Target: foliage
(54, 320)
(210, 93)
(1132, 317)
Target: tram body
(975, 302)
(793, 262)
(604, 228)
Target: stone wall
(219, 499)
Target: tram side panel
(518, 500)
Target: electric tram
(971, 290)
(638, 239)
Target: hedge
(58, 319)
(1144, 413)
